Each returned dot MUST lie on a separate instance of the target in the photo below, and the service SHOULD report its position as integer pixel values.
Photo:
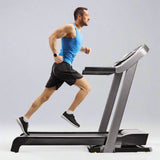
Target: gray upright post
(113, 132)
(110, 102)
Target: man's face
(85, 18)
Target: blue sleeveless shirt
(71, 46)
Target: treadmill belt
(67, 134)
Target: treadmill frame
(100, 141)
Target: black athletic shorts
(60, 73)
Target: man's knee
(83, 85)
(86, 88)
(47, 94)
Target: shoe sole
(69, 121)
(21, 126)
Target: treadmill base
(135, 148)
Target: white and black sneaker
(23, 125)
(70, 118)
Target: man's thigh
(82, 83)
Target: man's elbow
(51, 39)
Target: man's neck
(79, 27)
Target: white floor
(67, 152)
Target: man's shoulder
(69, 27)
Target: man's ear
(79, 16)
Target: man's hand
(58, 59)
(87, 50)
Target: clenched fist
(58, 59)
(87, 50)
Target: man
(62, 71)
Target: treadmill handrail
(120, 66)
(98, 70)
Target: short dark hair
(79, 10)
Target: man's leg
(46, 94)
(83, 92)
(23, 121)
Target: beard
(84, 23)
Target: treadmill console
(126, 56)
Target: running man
(62, 71)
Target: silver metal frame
(116, 121)
(127, 65)
(110, 102)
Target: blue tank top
(71, 46)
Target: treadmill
(116, 139)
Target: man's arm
(59, 33)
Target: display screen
(125, 57)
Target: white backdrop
(115, 28)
